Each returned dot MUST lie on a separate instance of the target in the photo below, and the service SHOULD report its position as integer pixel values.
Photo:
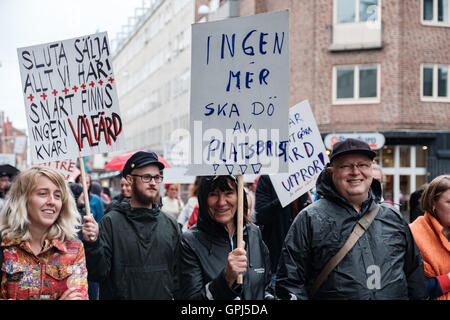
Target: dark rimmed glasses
(146, 178)
(362, 166)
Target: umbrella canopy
(8, 170)
(119, 161)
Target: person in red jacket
(193, 217)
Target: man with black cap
(133, 252)
(382, 262)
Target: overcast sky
(30, 22)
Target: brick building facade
(375, 66)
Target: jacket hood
(96, 188)
(326, 188)
(204, 220)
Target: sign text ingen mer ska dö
(240, 95)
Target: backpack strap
(359, 229)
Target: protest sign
(68, 168)
(307, 155)
(176, 152)
(70, 98)
(8, 158)
(20, 144)
(240, 95)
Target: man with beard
(133, 252)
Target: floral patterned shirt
(25, 276)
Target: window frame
(412, 170)
(434, 22)
(357, 17)
(356, 99)
(434, 97)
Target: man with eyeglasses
(134, 251)
(384, 263)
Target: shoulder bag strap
(359, 229)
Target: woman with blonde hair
(42, 258)
(431, 233)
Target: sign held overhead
(70, 98)
(307, 155)
(240, 95)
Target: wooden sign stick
(311, 197)
(85, 190)
(240, 218)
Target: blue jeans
(93, 290)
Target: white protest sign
(8, 158)
(68, 168)
(307, 155)
(20, 144)
(70, 98)
(240, 95)
(176, 152)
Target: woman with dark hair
(431, 233)
(210, 259)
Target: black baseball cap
(141, 159)
(349, 146)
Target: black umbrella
(8, 170)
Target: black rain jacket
(385, 263)
(136, 254)
(204, 253)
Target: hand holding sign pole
(71, 101)
(240, 99)
(85, 189)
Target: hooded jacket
(435, 249)
(272, 218)
(204, 252)
(385, 263)
(136, 254)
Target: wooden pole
(240, 218)
(311, 197)
(85, 190)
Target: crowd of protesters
(340, 242)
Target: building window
(352, 11)
(435, 84)
(404, 170)
(356, 84)
(436, 12)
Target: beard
(141, 197)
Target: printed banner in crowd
(240, 95)
(307, 155)
(70, 98)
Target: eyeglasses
(148, 177)
(348, 167)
